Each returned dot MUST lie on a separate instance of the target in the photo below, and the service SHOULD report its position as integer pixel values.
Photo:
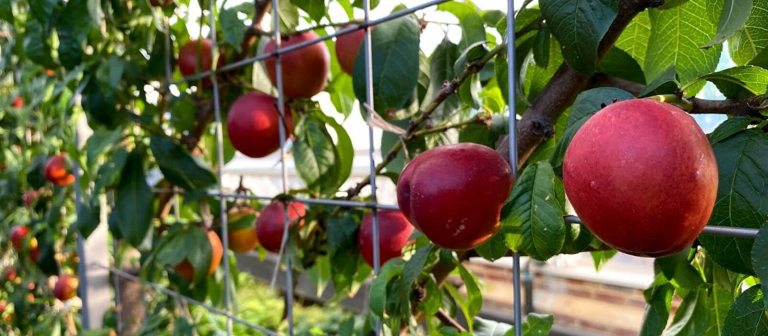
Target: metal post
(93, 284)
(513, 150)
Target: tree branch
(748, 107)
(538, 121)
(447, 320)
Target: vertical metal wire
(368, 61)
(283, 253)
(512, 104)
(220, 170)
(82, 267)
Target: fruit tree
(122, 114)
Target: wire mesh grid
(373, 204)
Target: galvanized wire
(512, 113)
(283, 253)
(219, 171)
(179, 296)
(369, 99)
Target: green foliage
(114, 64)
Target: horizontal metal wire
(357, 26)
(178, 295)
(307, 200)
(735, 232)
(728, 231)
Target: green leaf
(199, 251)
(133, 200)
(536, 213)
(579, 45)
(378, 292)
(36, 44)
(538, 324)
(472, 29)
(395, 60)
(740, 82)
(678, 269)
(6, 11)
(109, 172)
(411, 271)
(599, 258)
(88, 217)
(233, 29)
(72, 28)
(441, 69)
(535, 78)
(340, 89)
(751, 40)
(586, 104)
(289, 16)
(345, 153)
(692, 317)
(541, 47)
(747, 315)
(315, 8)
(100, 104)
(493, 249)
(483, 327)
(315, 155)
(343, 251)
(42, 10)
(728, 128)
(666, 83)
(100, 142)
(675, 39)
(732, 19)
(620, 64)
(178, 166)
(474, 295)
(742, 163)
(759, 262)
(659, 298)
(634, 39)
(577, 238)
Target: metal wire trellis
(373, 204)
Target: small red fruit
(347, 48)
(305, 71)
(454, 194)
(57, 170)
(185, 269)
(271, 223)
(195, 56)
(642, 176)
(18, 234)
(253, 124)
(29, 197)
(394, 231)
(10, 274)
(18, 102)
(66, 287)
